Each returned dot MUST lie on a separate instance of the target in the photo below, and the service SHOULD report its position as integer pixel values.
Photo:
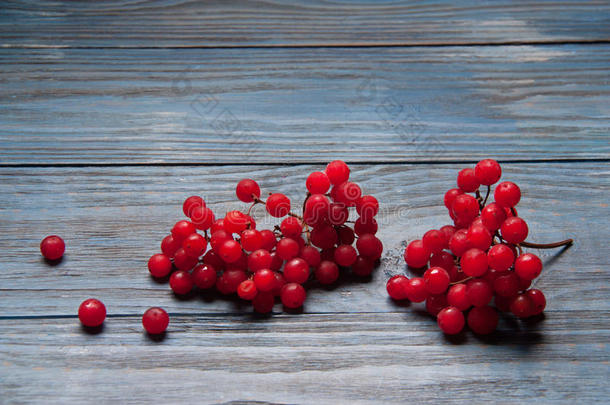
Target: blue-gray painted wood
(303, 105)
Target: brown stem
(486, 195)
(461, 281)
(566, 242)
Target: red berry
(247, 290)
(528, 266)
(488, 172)
(474, 262)
(514, 230)
(483, 320)
(169, 246)
(467, 181)
(479, 237)
(416, 290)
(506, 285)
(450, 196)
(338, 213)
(296, 271)
(521, 306)
(363, 226)
(293, 295)
(459, 242)
(367, 206)
(500, 257)
(348, 193)
(448, 230)
(450, 320)
(276, 262)
(155, 320)
(159, 265)
(337, 172)
(230, 251)
(435, 241)
(537, 299)
(203, 218)
(346, 235)
(479, 292)
(363, 266)
(204, 276)
(190, 203)
(247, 189)
(233, 278)
(507, 194)
(324, 236)
(311, 255)
(465, 207)
(92, 312)
(327, 272)
(263, 302)
(369, 246)
(436, 303)
(443, 260)
(396, 287)
(235, 221)
(345, 255)
(492, 216)
(317, 183)
(268, 238)
(317, 209)
(251, 240)
(416, 254)
(181, 282)
(278, 205)
(287, 248)
(194, 245)
(213, 260)
(437, 280)
(218, 225)
(457, 297)
(52, 247)
(182, 229)
(280, 281)
(291, 227)
(259, 259)
(264, 280)
(182, 261)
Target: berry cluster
(478, 259)
(233, 256)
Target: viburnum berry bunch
(233, 256)
(477, 260)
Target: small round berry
(287, 248)
(500, 257)
(291, 227)
(251, 240)
(182, 229)
(155, 320)
(296, 271)
(448, 230)
(327, 272)
(190, 203)
(317, 209)
(293, 295)
(507, 194)
(479, 292)
(233, 278)
(276, 262)
(337, 172)
(437, 280)
(528, 266)
(235, 221)
(474, 262)
(416, 290)
(213, 260)
(203, 218)
(169, 246)
(521, 306)
(443, 260)
(488, 172)
(396, 287)
(507, 285)
(247, 189)
(367, 206)
(436, 303)
(348, 193)
(264, 280)
(311, 255)
(182, 261)
(345, 255)
(538, 300)
(362, 226)
(416, 254)
(269, 240)
(483, 320)
(194, 245)
(92, 312)
(324, 236)
(217, 225)
(317, 183)
(278, 205)
(338, 213)
(514, 230)
(450, 196)
(435, 241)
(457, 296)
(459, 242)
(259, 259)
(492, 216)
(363, 266)
(230, 251)
(467, 180)
(204, 276)
(280, 281)
(52, 247)
(247, 290)
(346, 235)
(369, 246)
(450, 320)
(181, 282)
(479, 237)
(263, 302)
(465, 207)
(159, 265)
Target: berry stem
(461, 281)
(566, 242)
(486, 195)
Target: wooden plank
(114, 218)
(165, 23)
(303, 105)
(333, 358)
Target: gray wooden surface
(101, 144)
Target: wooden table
(111, 113)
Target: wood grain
(298, 105)
(114, 218)
(165, 23)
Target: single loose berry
(293, 295)
(204, 276)
(181, 282)
(507, 194)
(155, 320)
(416, 254)
(247, 190)
(159, 265)
(467, 180)
(483, 320)
(514, 230)
(92, 312)
(488, 172)
(337, 172)
(278, 205)
(52, 247)
(528, 266)
(327, 272)
(451, 320)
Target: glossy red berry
(204, 276)
(416, 254)
(443, 259)
(230, 251)
(159, 265)
(287, 248)
(296, 271)
(169, 246)
(316, 210)
(492, 216)
(483, 320)
(337, 172)
(467, 181)
(194, 245)
(479, 236)
(459, 242)
(363, 266)
(155, 320)
(311, 255)
(506, 285)
(247, 290)
(278, 205)
(521, 306)
(436, 303)
(337, 213)
(259, 259)
(537, 299)
(528, 266)
(416, 290)
(247, 189)
(202, 217)
(435, 241)
(451, 320)
(369, 246)
(500, 257)
(514, 230)
(465, 207)
(264, 280)
(324, 236)
(396, 287)
(450, 196)
(474, 262)
(488, 172)
(182, 229)
(317, 183)
(507, 194)
(479, 292)
(181, 282)
(327, 272)
(268, 239)
(291, 227)
(362, 226)
(367, 206)
(190, 203)
(457, 297)
(182, 261)
(52, 247)
(293, 295)
(92, 312)
(263, 302)
(345, 255)
(437, 280)
(348, 193)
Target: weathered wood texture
(114, 218)
(302, 23)
(298, 105)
